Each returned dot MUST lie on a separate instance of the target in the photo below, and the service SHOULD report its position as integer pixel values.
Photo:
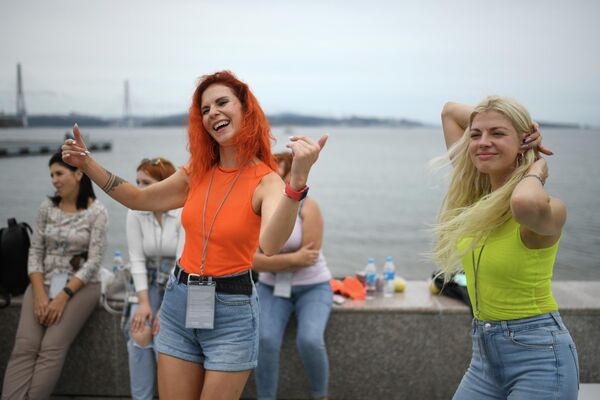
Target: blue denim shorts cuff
(230, 367)
(161, 349)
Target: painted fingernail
(87, 152)
(525, 146)
(83, 153)
(66, 155)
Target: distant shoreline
(276, 120)
(283, 119)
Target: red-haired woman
(233, 201)
(154, 240)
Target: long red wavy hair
(252, 141)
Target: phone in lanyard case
(57, 283)
(200, 309)
(283, 284)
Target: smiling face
(494, 144)
(65, 181)
(221, 113)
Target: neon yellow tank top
(512, 280)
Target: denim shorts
(530, 358)
(231, 346)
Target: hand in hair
(533, 140)
(75, 152)
(305, 152)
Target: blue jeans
(312, 305)
(525, 359)
(231, 346)
(142, 360)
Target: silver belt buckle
(195, 279)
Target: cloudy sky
(336, 58)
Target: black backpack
(455, 287)
(14, 249)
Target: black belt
(239, 284)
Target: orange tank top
(234, 237)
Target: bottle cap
(117, 253)
(371, 261)
(389, 258)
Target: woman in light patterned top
(65, 256)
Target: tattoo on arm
(112, 183)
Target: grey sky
(371, 58)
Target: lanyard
(475, 270)
(206, 236)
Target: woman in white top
(155, 240)
(294, 281)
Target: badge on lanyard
(283, 284)
(57, 283)
(200, 310)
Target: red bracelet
(297, 195)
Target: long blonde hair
(470, 209)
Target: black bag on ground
(14, 249)
(456, 287)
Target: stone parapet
(412, 346)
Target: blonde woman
(498, 221)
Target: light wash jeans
(526, 359)
(312, 306)
(142, 360)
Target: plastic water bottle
(389, 274)
(117, 264)
(371, 278)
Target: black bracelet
(68, 291)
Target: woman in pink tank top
(295, 281)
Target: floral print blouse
(59, 237)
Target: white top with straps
(316, 273)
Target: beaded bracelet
(534, 176)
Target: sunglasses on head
(153, 161)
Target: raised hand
(305, 153)
(75, 152)
(533, 140)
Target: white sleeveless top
(316, 273)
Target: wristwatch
(297, 195)
(68, 291)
